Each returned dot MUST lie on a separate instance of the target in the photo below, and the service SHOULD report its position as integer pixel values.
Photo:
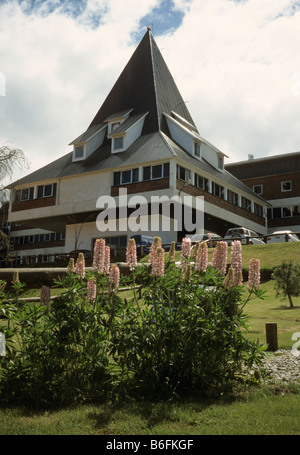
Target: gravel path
(283, 365)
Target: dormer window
(197, 152)
(118, 143)
(78, 151)
(221, 162)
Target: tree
(11, 159)
(287, 277)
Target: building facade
(144, 141)
(277, 180)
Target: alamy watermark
(2, 84)
(2, 344)
(295, 351)
(160, 213)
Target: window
(258, 189)
(118, 143)
(286, 186)
(220, 162)
(78, 151)
(258, 210)
(218, 190)
(46, 190)
(246, 203)
(276, 212)
(156, 172)
(183, 173)
(296, 210)
(26, 194)
(125, 177)
(201, 182)
(232, 197)
(286, 212)
(197, 152)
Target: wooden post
(271, 334)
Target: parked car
(144, 241)
(206, 237)
(282, 236)
(241, 233)
(73, 254)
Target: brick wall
(33, 203)
(141, 187)
(272, 185)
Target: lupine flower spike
(80, 266)
(99, 256)
(201, 257)
(155, 245)
(254, 273)
(186, 249)
(158, 263)
(219, 259)
(91, 290)
(114, 279)
(131, 254)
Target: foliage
(182, 335)
(287, 277)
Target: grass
(243, 413)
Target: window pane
(286, 186)
(286, 212)
(40, 191)
(296, 210)
(135, 175)
(79, 151)
(118, 143)
(166, 169)
(277, 212)
(117, 176)
(157, 171)
(126, 176)
(146, 173)
(48, 190)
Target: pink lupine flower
(99, 256)
(236, 263)
(114, 279)
(80, 266)
(131, 253)
(91, 290)
(201, 257)
(254, 273)
(155, 245)
(158, 263)
(107, 260)
(219, 259)
(186, 249)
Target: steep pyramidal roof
(145, 84)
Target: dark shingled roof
(145, 84)
(263, 167)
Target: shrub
(184, 336)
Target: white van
(280, 236)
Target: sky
(236, 64)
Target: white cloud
(233, 61)
(236, 64)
